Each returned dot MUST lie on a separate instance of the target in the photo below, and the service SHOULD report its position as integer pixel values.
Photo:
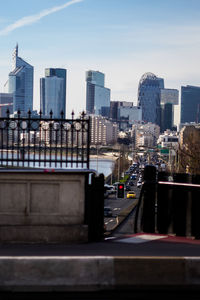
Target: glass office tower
(97, 96)
(149, 97)
(168, 98)
(190, 104)
(20, 84)
(53, 92)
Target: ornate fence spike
(29, 113)
(83, 114)
(7, 113)
(62, 114)
(51, 114)
(18, 113)
(40, 113)
(72, 114)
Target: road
(120, 208)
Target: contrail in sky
(34, 18)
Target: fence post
(149, 196)
(95, 208)
(164, 204)
(180, 198)
(195, 226)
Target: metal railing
(169, 204)
(39, 141)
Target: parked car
(131, 194)
(107, 211)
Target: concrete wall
(42, 207)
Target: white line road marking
(141, 239)
(110, 221)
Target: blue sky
(121, 38)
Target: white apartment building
(169, 139)
(102, 131)
(145, 134)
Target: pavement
(131, 265)
(130, 262)
(120, 266)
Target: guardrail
(40, 141)
(169, 204)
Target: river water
(101, 165)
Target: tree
(189, 150)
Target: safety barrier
(169, 204)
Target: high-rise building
(161, 83)
(6, 103)
(168, 98)
(97, 95)
(145, 134)
(102, 131)
(20, 83)
(149, 97)
(53, 92)
(125, 113)
(190, 104)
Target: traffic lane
(117, 206)
(119, 214)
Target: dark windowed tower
(190, 103)
(53, 92)
(149, 97)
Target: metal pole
(97, 159)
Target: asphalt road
(118, 207)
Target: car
(131, 194)
(107, 211)
(131, 183)
(127, 188)
(139, 183)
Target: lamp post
(97, 160)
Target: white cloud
(34, 18)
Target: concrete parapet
(93, 273)
(38, 206)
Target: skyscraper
(149, 97)
(6, 103)
(20, 83)
(168, 98)
(190, 104)
(125, 113)
(97, 96)
(53, 92)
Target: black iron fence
(39, 141)
(169, 204)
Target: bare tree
(189, 151)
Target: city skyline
(122, 39)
